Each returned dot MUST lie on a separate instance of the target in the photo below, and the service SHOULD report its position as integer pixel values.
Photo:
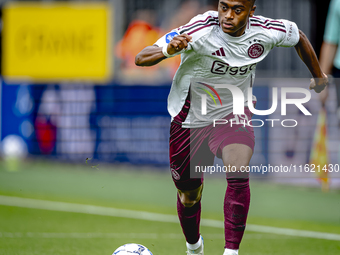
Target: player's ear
(252, 11)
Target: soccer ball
(132, 249)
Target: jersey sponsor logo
(170, 36)
(219, 67)
(222, 68)
(219, 52)
(256, 50)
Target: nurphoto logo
(238, 103)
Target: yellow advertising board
(44, 42)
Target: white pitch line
(140, 215)
(168, 236)
(86, 235)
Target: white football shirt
(214, 57)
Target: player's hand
(178, 43)
(318, 84)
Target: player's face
(233, 15)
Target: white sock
(230, 252)
(194, 246)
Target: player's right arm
(154, 54)
(179, 40)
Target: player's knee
(236, 157)
(190, 198)
(236, 166)
(242, 172)
(189, 202)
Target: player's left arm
(307, 54)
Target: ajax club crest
(256, 50)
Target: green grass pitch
(29, 231)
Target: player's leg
(237, 197)
(189, 214)
(234, 144)
(185, 147)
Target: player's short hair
(253, 1)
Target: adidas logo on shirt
(219, 52)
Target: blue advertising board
(113, 123)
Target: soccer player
(216, 48)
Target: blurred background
(84, 135)
(70, 90)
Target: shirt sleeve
(332, 23)
(288, 36)
(197, 27)
(165, 39)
